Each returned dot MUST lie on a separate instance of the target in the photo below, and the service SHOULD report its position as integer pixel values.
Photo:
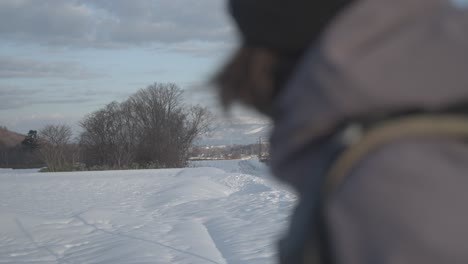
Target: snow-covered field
(229, 214)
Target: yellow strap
(446, 125)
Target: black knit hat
(289, 26)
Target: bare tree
(167, 126)
(152, 126)
(110, 136)
(54, 147)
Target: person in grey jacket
(319, 67)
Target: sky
(63, 59)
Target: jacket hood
(399, 54)
(379, 57)
(376, 58)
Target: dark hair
(287, 26)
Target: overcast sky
(62, 59)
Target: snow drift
(196, 215)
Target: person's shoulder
(407, 201)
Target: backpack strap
(387, 131)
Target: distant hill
(10, 138)
(237, 131)
(16, 157)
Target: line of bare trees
(153, 126)
(56, 149)
(51, 147)
(18, 157)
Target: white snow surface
(193, 215)
(250, 166)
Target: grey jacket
(407, 202)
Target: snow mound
(197, 215)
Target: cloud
(12, 67)
(23, 124)
(164, 21)
(202, 48)
(15, 97)
(113, 23)
(48, 21)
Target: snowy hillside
(197, 215)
